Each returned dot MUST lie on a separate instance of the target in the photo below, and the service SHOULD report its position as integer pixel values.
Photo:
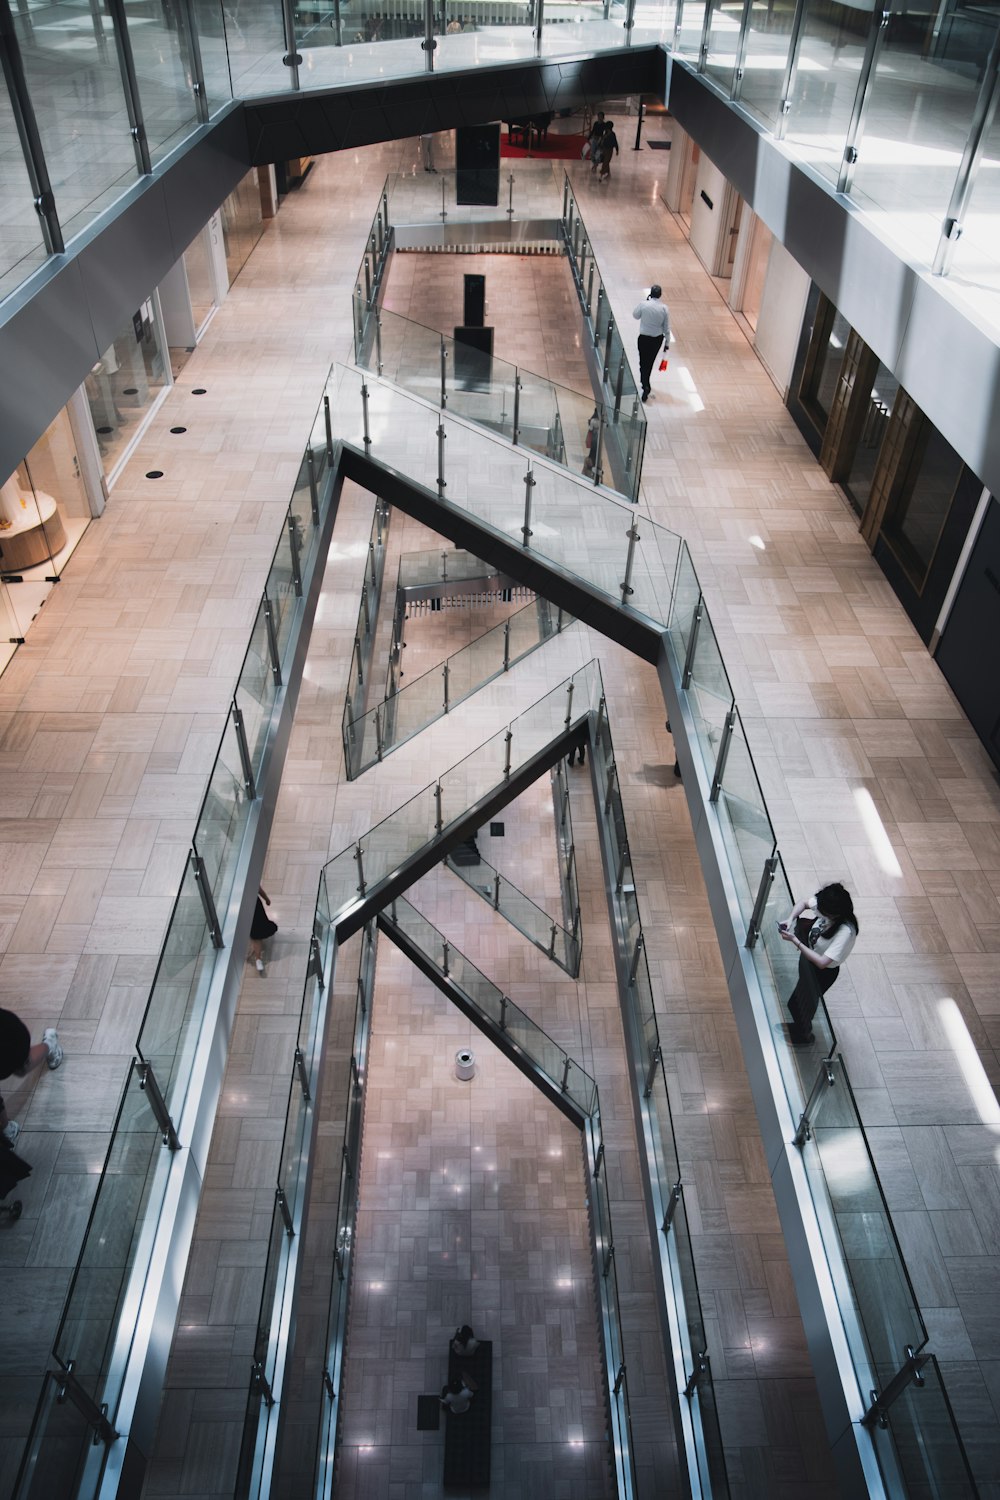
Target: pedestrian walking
(824, 929)
(654, 329)
(596, 131)
(18, 1058)
(261, 928)
(609, 148)
(427, 151)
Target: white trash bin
(465, 1064)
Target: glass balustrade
(520, 911)
(665, 587)
(372, 735)
(99, 1320)
(563, 1074)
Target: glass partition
(565, 1075)
(116, 1248)
(831, 51)
(907, 167)
(99, 1319)
(22, 248)
(520, 911)
(379, 852)
(665, 586)
(623, 431)
(418, 703)
(768, 40)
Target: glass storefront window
(922, 497)
(242, 223)
(905, 172)
(864, 460)
(198, 267)
(125, 382)
(44, 511)
(826, 81)
(71, 65)
(827, 343)
(753, 290)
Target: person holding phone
(824, 929)
(653, 318)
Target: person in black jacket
(18, 1058)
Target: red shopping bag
(663, 365)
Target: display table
(35, 535)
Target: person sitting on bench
(456, 1396)
(465, 1342)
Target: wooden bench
(468, 1435)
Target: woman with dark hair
(824, 929)
(465, 1342)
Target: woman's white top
(836, 948)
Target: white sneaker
(260, 966)
(56, 1054)
(11, 1131)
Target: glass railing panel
(480, 387)
(382, 848)
(897, 180)
(88, 168)
(768, 40)
(174, 1011)
(465, 784)
(300, 509)
(923, 1435)
(741, 801)
(23, 247)
(411, 356)
(686, 593)
(124, 1201)
(578, 529)
(831, 52)
(723, 39)
(422, 198)
(974, 260)
(542, 1051)
(483, 657)
(883, 1292)
(223, 817)
(280, 588)
(710, 696)
(60, 1444)
(256, 691)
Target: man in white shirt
(654, 329)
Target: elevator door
(967, 653)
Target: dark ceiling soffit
(500, 1039)
(635, 632)
(283, 126)
(455, 833)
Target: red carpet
(555, 148)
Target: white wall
(708, 223)
(782, 309)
